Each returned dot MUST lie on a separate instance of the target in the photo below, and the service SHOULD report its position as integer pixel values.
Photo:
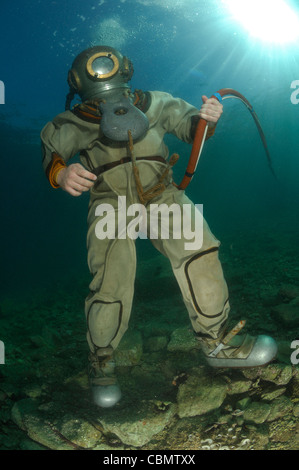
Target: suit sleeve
(61, 139)
(178, 117)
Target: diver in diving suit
(119, 135)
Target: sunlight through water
(272, 21)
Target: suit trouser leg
(112, 262)
(198, 273)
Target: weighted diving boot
(103, 382)
(231, 350)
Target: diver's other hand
(75, 180)
(210, 110)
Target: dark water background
(187, 48)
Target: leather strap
(108, 166)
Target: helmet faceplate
(97, 70)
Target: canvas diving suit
(112, 262)
(119, 135)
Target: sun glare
(272, 21)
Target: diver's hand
(210, 110)
(74, 179)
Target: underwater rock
(289, 291)
(279, 408)
(279, 374)
(294, 388)
(271, 394)
(296, 410)
(287, 314)
(183, 340)
(237, 386)
(78, 431)
(25, 414)
(200, 394)
(257, 412)
(129, 351)
(136, 426)
(156, 343)
(33, 390)
(44, 426)
(243, 403)
(261, 412)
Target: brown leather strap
(108, 166)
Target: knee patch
(206, 283)
(103, 321)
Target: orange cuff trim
(57, 164)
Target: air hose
(201, 132)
